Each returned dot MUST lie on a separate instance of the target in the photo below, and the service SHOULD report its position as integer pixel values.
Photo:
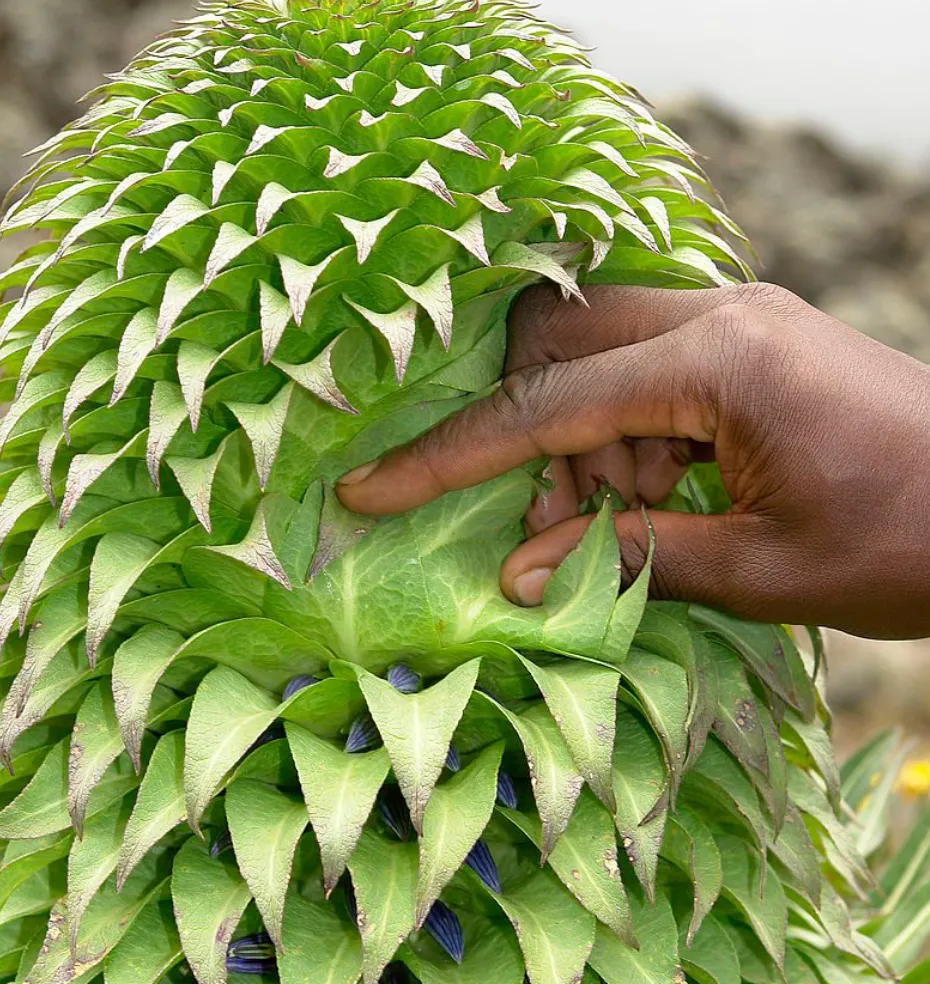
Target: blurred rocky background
(847, 231)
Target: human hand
(822, 436)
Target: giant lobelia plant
(247, 733)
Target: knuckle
(765, 297)
(528, 397)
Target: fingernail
(359, 474)
(528, 588)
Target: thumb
(696, 557)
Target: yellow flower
(914, 779)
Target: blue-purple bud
(363, 734)
(482, 864)
(453, 762)
(274, 733)
(297, 684)
(395, 973)
(506, 790)
(251, 955)
(402, 678)
(444, 926)
(221, 844)
(393, 810)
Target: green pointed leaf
(339, 791)
(24, 494)
(738, 724)
(137, 668)
(487, 945)
(417, 729)
(318, 946)
(814, 738)
(581, 594)
(909, 867)
(711, 958)
(228, 715)
(656, 960)
(257, 549)
(23, 858)
(457, 814)
(42, 807)
(555, 932)
(639, 781)
(662, 688)
(276, 315)
(556, 782)
(585, 859)
(95, 743)
(689, 844)
(168, 412)
(209, 899)
(264, 426)
(180, 212)
(384, 874)
(196, 477)
(91, 377)
(138, 341)
(159, 806)
(149, 949)
(92, 861)
(231, 242)
(627, 613)
(758, 896)
(517, 256)
(266, 826)
(795, 850)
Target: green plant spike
(247, 733)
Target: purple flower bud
(363, 734)
(444, 926)
(274, 733)
(482, 864)
(402, 678)
(221, 844)
(453, 762)
(506, 790)
(392, 808)
(297, 684)
(251, 955)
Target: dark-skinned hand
(822, 436)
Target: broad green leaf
(159, 805)
(795, 850)
(137, 667)
(95, 743)
(662, 689)
(639, 781)
(149, 949)
(457, 814)
(555, 932)
(585, 859)
(42, 807)
(229, 713)
(209, 898)
(656, 960)
(815, 739)
(92, 860)
(266, 826)
(689, 843)
(902, 944)
(384, 874)
(711, 958)
(582, 698)
(318, 946)
(758, 896)
(417, 729)
(339, 791)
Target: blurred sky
(859, 66)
